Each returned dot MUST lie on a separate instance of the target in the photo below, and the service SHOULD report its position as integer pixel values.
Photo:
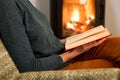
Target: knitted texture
(84, 74)
(8, 71)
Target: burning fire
(83, 1)
(90, 19)
(76, 22)
(75, 16)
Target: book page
(88, 39)
(84, 34)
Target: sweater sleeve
(15, 39)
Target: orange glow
(82, 1)
(75, 18)
(90, 19)
(75, 15)
(78, 15)
(70, 26)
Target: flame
(70, 26)
(83, 1)
(75, 18)
(80, 17)
(75, 15)
(90, 19)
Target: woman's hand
(87, 46)
(63, 41)
(79, 50)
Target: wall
(112, 17)
(42, 5)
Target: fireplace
(70, 16)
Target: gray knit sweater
(28, 37)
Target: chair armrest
(83, 74)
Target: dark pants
(106, 55)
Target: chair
(8, 71)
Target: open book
(93, 34)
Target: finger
(101, 40)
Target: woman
(30, 41)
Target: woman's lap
(105, 55)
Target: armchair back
(8, 69)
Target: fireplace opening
(70, 16)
